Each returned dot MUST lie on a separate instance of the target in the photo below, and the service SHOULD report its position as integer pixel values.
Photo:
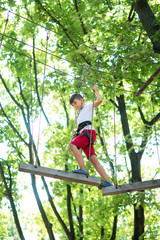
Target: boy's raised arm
(99, 97)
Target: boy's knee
(93, 158)
(72, 146)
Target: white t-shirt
(85, 114)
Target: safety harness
(81, 126)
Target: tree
(149, 22)
(8, 190)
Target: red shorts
(84, 143)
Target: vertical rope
(114, 120)
(104, 141)
(32, 151)
(155, 128)
(90, 136)
(8, 12)
(92, 117)
(40, 115)
(80, 83)
(85, 67)
(105, 147)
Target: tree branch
(149, 21)
(114, 103)
(11, 125)
(20, 154)
(36, 81)
(65, 109)
(108, 2)
(21, 93)
(144, 141)
(80, 18)
(131, 16)
(14, 145)
(154, 75)
(62, 27)
(10, 178)
(35, 71)
(75, 210)
(149, 123)
(9, 92)
(14, 100)
(9, 195)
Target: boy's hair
(75, 96)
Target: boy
(84, 121)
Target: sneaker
(81, 171)
(105, 184)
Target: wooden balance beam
(137, 186)
(58, 174)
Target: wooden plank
(59, 174)
(154, 75)
(138, 186)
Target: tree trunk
(48, 225)
(135, 165)
(138, 222)
(81, 216)
(135, 161)
(81, 221)
(55, 210)
(114, 230)
(148, 21)
(102, 233)
(70, 218)
(9, 195)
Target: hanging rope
(105, 147)
(40, 115)
(31, 124)
(104, 142)
(5, 27)
(90, 140)
(85, 67)
(114, 120)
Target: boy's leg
(78, 156)
(81, 141)
(99, 168)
